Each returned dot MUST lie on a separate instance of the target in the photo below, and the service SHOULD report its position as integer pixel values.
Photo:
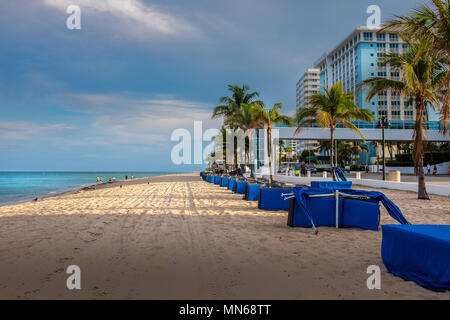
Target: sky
(107, 97)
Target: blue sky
(108, 96)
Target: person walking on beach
(428, 168)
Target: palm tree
(330, 108)
(433, 25)
(423, 74)
(245, 118)
(357, 147)
(270, 118)
(231, 105)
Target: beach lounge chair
(231, 183)
(271, 198)
(217, 180)
(252, 192)
(224, 182)
(240, 187)
(418, 253)
(340, 208)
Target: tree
(356, 148)
(245, 118)
(231, 105)
(422, 75)
(270, 118)
(431, 23)
(330, 108)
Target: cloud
(24, 130)
(126, 119)
(142, 18)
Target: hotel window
(395, 112)
(382, 74)
(368, 36)
(382, 112)
(393, 37)
(381, 37)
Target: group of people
(301, 169)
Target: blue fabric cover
(340, 174)
(419, 253)
(231, 183)
(302, 194)
(364, 214)
(253, 192)
(240, 187)
(332, 185)
(271, 199)
(321, 210)
(217, 179)
(224, 182)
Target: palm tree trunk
(422, 188)
(333, 174)
(269, 152)
(418, 150)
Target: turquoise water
(22, 186)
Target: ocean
(23, 186)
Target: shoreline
(86, 187)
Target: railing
(399, 124)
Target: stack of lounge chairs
(417, 253)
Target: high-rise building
(308, 84)
(356, 59)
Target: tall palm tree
(231, 105)
(270, 118)
(422, 75)
(433, 24)
(330, 108)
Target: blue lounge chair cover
(231, 183)
(217, 179)
(301, 193)
(340, 174)
(332, 185)
(419, 253)
(271, 199)
(224, 182)
(241, 186)
(252, 192)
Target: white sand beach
(178, 237)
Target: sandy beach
(177, 237)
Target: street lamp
(383, 123)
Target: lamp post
(383, 123)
